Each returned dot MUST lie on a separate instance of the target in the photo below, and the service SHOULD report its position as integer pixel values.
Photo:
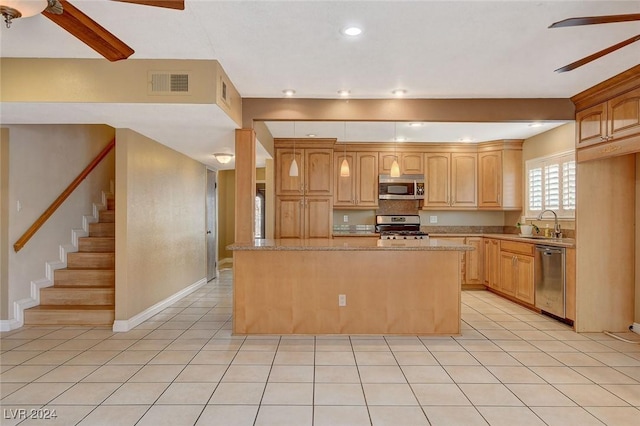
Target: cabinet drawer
(516, 247)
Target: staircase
(83, 293)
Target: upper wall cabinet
(500, 176)
(616, 119)
(315, 171)
(450, 180)
(608, 117)
(410, 162)
(360, 188)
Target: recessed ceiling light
(352, 31)
(289, 92)
(344, 92)
(537, 124)
(466, 139)
(400, 139)
(399, 92)
(311, 135)
(416, 124)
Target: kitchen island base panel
(387, 292)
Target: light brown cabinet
(304, 217)
(450, 180)
(360, 188)
(410, 162)
(613, 120)
(315, 172)
(492, 263)
(500, 177)
(472, 261)
(304, 203)
(516, 270)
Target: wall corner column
(5, 309)
(245, 185)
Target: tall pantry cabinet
(304, 203)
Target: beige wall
(43, 161)
(4, 223)
(226, 212)
(605, 245)
(160, 223)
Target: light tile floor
(510, 366)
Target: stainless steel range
(399, 227)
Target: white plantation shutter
(551, 184)
(535, 189)
(569, 185)
(552, 187)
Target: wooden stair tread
(80, 268)
(73, 307)
(62, 286)
(83, 293)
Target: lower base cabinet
(491, 263)
(472, 261)
(304, 217)
(516, 271)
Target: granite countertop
(557, 242)
(321, 244)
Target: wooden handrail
(58, 202)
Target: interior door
(212, 221)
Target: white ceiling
(433, 49)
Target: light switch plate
(345, 218)
(433, 219)
(342, 300)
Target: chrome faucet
(557, 233)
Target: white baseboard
(126, 325)
(8, 325)
(636, 328)
(227, 262)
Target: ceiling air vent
(168, 83)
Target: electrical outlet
(345, 218)
(342, 300)
(433, 219)
(18, 205)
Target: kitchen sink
(540, 237)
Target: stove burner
(403, 235)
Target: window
(551, 184)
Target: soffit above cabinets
(369, 131)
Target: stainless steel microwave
(405, 187)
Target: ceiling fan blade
(591, 20)
(599, 54)
(169, 4)
(90, 32)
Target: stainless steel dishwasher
(549, 276)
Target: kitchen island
(359, 286)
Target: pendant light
(344, 167)
(395, 168)
(293, 168)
